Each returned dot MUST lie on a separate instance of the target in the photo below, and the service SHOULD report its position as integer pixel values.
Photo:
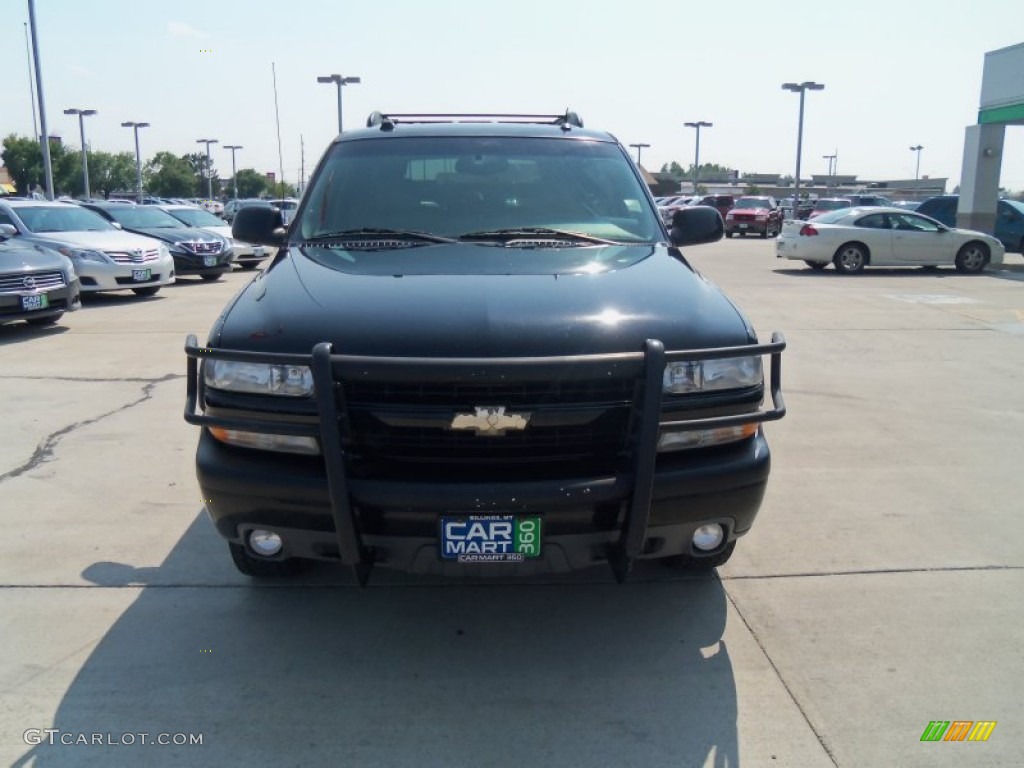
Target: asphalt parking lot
(881, 588)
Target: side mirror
(7, 230)
(696, 225)
(116, 225)
(259, 224)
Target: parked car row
(54, 251)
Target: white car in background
(105, 257)
(854, 238)
(247, 255)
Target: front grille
(33, 281)
(743, 216)
(134, 257)
(555, 436)
(203, 247)
(459, 395)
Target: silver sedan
(854, 238)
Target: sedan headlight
(83, 254)
(259, 378)
(690, 376)
(165, 252)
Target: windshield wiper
(371, 232)
(539, 233)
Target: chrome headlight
(83, 254)
(259, 378)
(689, 376)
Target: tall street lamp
(639, 147)
(234, 173)
(917, 169)
(82, 114)
(696, 159)
(800, 88)
(831, 173)
(340, 81)
(209, 168)
(138, 157)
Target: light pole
(234, 173)
(830, 158)
(82, 114)
(800, 88)
(44, 136)
(917, 169)
(639, 147)
(209, 168)
(340, 81)
(696, 159)
(138, 157)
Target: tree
(250, 183)
(111, 173)
(23, 157)
(202, 169)
(752, 189)
(168, 175)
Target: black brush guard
(330, 370)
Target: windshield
(143, 217)
(752, 202)
(453, 186)
(197, 217)
(71, 218)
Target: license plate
(490, 538)
(257, 251)
(743, 226)
(141, 275)
(209, 261)
(37, 301)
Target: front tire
(150, 291)
(972, 258)
(249, 265)
(260, 568)
(850, 258)
(212, 278)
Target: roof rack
(387, 122)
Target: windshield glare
(752, 202)
(455, 185)
(197, 217)
(144, 217)
(69, 218)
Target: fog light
(265, 543)
(708, 537)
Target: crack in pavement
(778, 674)
(45, 449)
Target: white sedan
(853, 238)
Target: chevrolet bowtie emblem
(490, 420)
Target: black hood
(471, 300)
(176, 235)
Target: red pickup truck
(754, 214)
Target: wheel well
(867, 251)
(984, 247)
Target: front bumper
(110, 276)
(203, 264)
(58, 300)
(322, 512)
(747, 226)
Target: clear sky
(896, 73)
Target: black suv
(479, 349)
(1009, 224)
